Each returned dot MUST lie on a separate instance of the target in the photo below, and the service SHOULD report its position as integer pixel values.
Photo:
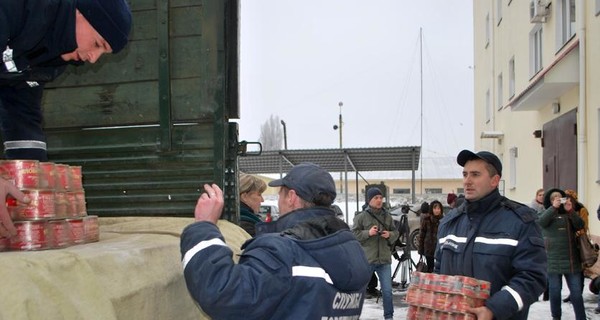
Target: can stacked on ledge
(56, 215)
(434, 296)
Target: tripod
(405, 262)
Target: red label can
(31, 235)
(72, 209)
(63, 174)
(77, 233)
(47, 175)
(76, 178)
(60, 204)
(80, 200)
(91, 229)
(59, 232)
(4, 244)
(41, 206)
(23, 173)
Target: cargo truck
(150, 125)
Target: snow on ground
(538, 311)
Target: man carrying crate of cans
(492, 238)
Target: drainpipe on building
(582, 109)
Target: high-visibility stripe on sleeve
(199, 247)
(24, 144)
(453, 238)
(515, 296)
(502, 241)
(312, 272)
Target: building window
(535, 50)
(597, 9)
(488, 107)
(513, 167)
(460, 190)
(487, 30)
(511, 77)
(499, 93)
(433, 190)
(401, 191)
(566, 20)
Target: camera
(405, 208)
(563, 200)
(379, 232)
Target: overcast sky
(299, 59)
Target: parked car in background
(269, 212)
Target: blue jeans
(574, 284)
(384, 273)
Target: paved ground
(373, 309)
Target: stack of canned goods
(56, 216)
(434, 296)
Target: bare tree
(271, 134)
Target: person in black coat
(38, 39)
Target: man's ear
(294, 199)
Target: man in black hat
(305, 265)
(492, 238)
(374, 228)
(38, 39)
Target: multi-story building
(537, 103)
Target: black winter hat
(486, 156)
(373, 192)
(595, 285)
(111, 18)
(547, 202)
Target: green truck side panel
(150, 125)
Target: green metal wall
(150, 125)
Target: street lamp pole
(336, 127)
(284, 135)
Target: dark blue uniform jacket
(33, 35)
(497, 240)
(309, 267)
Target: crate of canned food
(43, 234)
(434, 296)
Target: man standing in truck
(38, 39)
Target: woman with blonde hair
(251, 190)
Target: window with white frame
(566, 20)
(535, 50)
(511, 77)
(487, 30)
(499, 94)
(512, 180)
(488, 108)
(499, 11)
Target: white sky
(299, 59)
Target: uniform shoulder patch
(522, 211)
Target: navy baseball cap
(308, 180)
(486, 156)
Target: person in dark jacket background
(38, 39)
(492, 238)
(428, 232)
(560, 223)
(305, 265)
(251, 190)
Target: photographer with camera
(374, 229)
(560, 223)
